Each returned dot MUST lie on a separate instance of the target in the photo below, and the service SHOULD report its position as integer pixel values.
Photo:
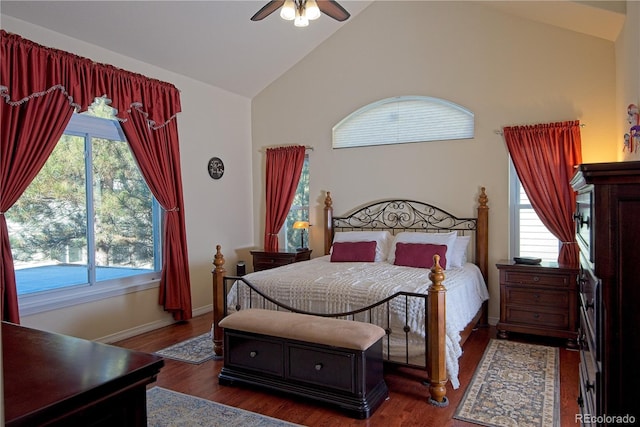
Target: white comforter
(321, 286)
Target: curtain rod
(263, 149)
(499, 132)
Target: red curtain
(545, 157)
(157, 154)
(30, 131)
(41, 87)
(284, 166)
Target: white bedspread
(321, 286)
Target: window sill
(54, 300)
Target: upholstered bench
(329, 360)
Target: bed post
(482, 246)
(328, 223)
(218, 302)
(436, 344)
(482, 234)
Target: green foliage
(50, 216)
(299, 210)
(49, 221)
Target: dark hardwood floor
(406, 405)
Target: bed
(428, 308)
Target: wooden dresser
(608, 234)
(265, 260)
(58, 380)
(538, 299)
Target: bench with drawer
(334, 361)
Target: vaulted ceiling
(216, 43)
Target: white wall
(507, 70)
(213, 122)
(628, 75)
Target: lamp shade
(288, 11)
(312, 10)
(298, 225)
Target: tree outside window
(299, 211)
(88, 216)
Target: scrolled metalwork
(402, 215)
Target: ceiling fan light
(288, 10)
(301, 19)
(312, 10)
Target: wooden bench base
(350, 378)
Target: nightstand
(266, 260)
(538, 299)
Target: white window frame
(93, 127)
(514, 215)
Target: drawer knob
(590, 304)
(253, 354)
(590, 386)
(318, 366)
(536, 279)
(536, 315)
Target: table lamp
(301, 225)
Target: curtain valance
(39, 89)
(82, 80)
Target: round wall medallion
(215, 167)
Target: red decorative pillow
(419, 254)
(353, 252)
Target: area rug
(515, 385)
(167, 408)
(194, 350)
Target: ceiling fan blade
(267, 10)
(333, 9)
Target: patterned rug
(166, 408)
(194, 350)
(515, 384)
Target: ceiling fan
(302, 10)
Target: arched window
(404, 119)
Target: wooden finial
(218, 259)
(328, 203)
(437, 275)
(483, 200)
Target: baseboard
(203, 310)
(148, 327)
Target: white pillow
(420, 237)
(459, 255)
(383, 240)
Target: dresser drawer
(588, 338)
(583, 218)
(266, 260)
(254, 353)
(537, 317)
(267, 263)
(586, 401)
(539, 297)
(589, 301)
(538, 279)
(588, 383)
(322, 367)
